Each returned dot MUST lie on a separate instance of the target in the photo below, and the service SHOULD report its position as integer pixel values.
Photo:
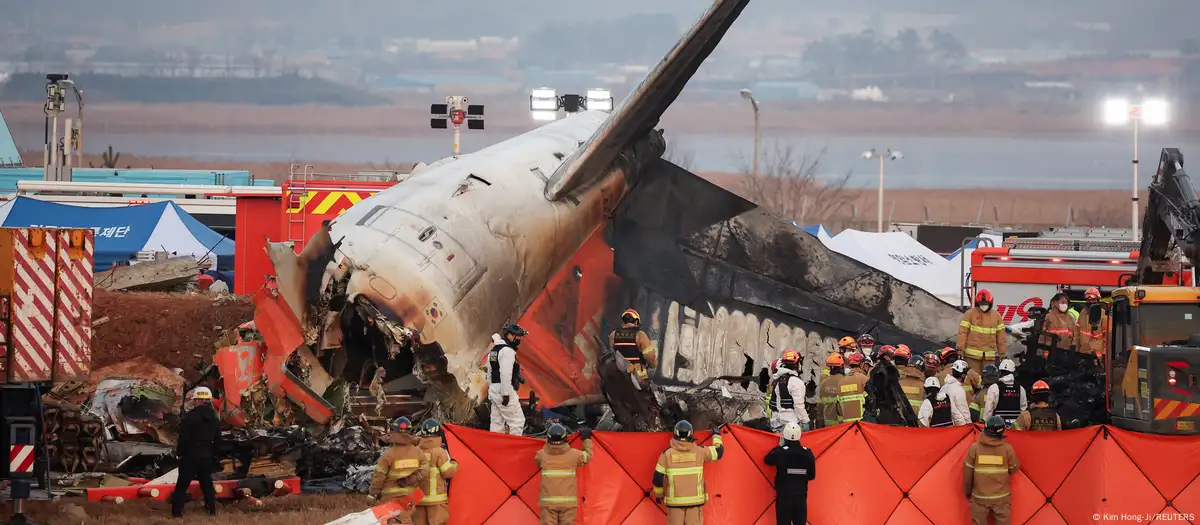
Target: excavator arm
(1171, 227)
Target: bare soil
(287, 510)
(174, 330)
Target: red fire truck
(1025, 272)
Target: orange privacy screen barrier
(866, 474)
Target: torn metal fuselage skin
(431, 267)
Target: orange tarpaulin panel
(859, 469)
(560, 353)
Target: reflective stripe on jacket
(679, 474)
(398, 470)
(440, 467)
(558, 461)
(828, 401)
(852, 396)
(981, 334)
(1089, 340)
(988, 469)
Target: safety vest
(1009, 404)
(1043, 418)
(625, 343)
(851, 397)
(494, 362)
(785, 401)
(941, 412)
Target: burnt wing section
(695, 243)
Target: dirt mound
(169, 329)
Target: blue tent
(9, 156)
(121, 232)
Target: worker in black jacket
(199, 439)
(794, 466)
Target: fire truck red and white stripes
(73, 304)
(35, 258)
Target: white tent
(904, 258)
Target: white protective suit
(789, 379)
(960, 411)
(504, 415)
(993, 396)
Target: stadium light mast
(544, 102)
(455, 111)
(1120, 112)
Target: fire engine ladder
(297, 204)
(965, 295)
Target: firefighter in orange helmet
(634, 347)
(981, 335)
(788, 393)
(852, 393)
(1092, 326)
(1040, 415)
(828, 401)
(846, 345)
(912, 381)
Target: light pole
(1119, 112)
(871, 154)
(749, 95)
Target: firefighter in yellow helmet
(634, 347)
(829, 390)
(434, 507)
(1092, 326)
(679, 475)
(981, 335)
(400, 468)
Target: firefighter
(769, 401)
(795, 466)
(559, 464)
(987, 474)
(847, 345)
(1058, 329)
(1006, 398)
(866, 344)
(991, 374)
(504, 378)
(400, 468)
(434, 507)
(679, 475)
(789, 393)
(935, 408)
(981, 335)
(971, 383)
(1039, 415)
(634, 347)
(830, 415)
(960, 411)
(199, 439)
(852, 393)
(912, 381)
(1091, 327)
(933, 365)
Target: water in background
(1102, 161)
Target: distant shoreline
(406, 119)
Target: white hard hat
(791, 432)
(960, 366)
(933, 382)
(1008, 365)
(202, 392)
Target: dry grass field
(287, 510)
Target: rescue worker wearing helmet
(847, 345)
(788, 393)
(1006, 398)
(981, 335)
(866, 345)
(933, 365)
(852, 391)
(199, 440)
(1092, 326)
(935, 408)
(1058, 328)
(828, 401)
(991, 375)
(504, 379)
(795, 466)
(1040, 415)
(634, 347)
(400, 468)
(960, 411)
(987, 474)
(434, 507)
(559, 463)
(972, 381)
(679, 475)
(912, 381)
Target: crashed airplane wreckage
(561, 229)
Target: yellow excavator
(1153, 362)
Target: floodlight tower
(544, 102)
(56, 158)
(1119, 112)
(872, 154)
(455, 111)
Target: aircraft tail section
(639, 112)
